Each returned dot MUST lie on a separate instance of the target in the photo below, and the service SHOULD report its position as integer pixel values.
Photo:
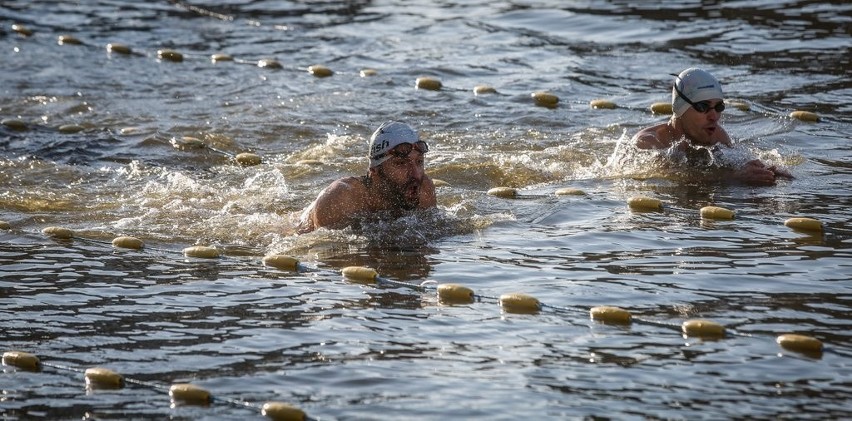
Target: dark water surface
(340, 350)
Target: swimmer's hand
(755, 172)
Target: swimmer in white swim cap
(396, 181)
(697, 105)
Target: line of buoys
(448, 294)
(540, 98)
(650, 204)
(99, 378)
(189, 143)
(519, 303)
(666, 108)
(801, 224)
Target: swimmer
(697, 105)
(396, 182)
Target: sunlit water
(341, 350)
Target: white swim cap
(388, 136)
(697, 85)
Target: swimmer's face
(401, 177)
(702, 128)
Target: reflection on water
(152, 155)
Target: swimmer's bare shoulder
(336, 205)
(654, 137)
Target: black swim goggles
(702, 107)
(403, 149)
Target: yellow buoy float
(268, 63)
(661, 108)
(716, 212)
(568, 191)
(248, 159)
(215, 58)
(14, 124)
(483, 90)
(799, 343)
(118, 48)
(602, 104)
(608, 314)
(519, 303)
(804, 224)
(202, 252)
(189, 394)
(368, 72)
(103, 378)
(69, 128)
(805, 116)
(280, 411)
(68, 40)
(545, 99)
(5, 225)
(740, 105)
(169, 55)
(58, 232)
(360, 274)
(455, 294)
(504, 192)
(703, 329)
(428, 83)
(21, 29)
(644, 203)
(127, 242)
(187, 143)
(320, 71)
(22, 360)
(281, 261)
